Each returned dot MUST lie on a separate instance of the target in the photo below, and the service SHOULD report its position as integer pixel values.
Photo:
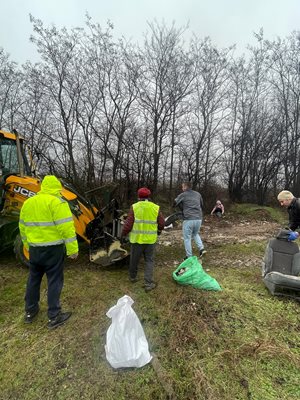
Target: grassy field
(240, 343)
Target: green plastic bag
(190, 272)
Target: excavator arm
(100, 228)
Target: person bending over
(292, 204)
(218, 209)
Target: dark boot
(60, 319)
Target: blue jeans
(190, 229)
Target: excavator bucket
(106, 254)
(104, 233)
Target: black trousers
(136, 251)
(47, 260)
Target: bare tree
(58, 50)
(166, 76)
(284, 62)
(201, 147)
(11, 80)
(249, 126)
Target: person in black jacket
(289, 201)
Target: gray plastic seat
(281, 266)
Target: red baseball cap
(143, 193)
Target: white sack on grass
(126, 343)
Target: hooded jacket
(46, 219)
(294, 214)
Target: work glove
(293, 236)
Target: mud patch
(214, 231)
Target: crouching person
(143, 224)
(47, 230)
(292, 204)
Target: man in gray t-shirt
(190, 203)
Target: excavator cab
(12, 162)
(8, 156)
(12, 159)
(100, 228)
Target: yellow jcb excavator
(100, 228)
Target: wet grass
(240, 343)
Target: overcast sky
(226, 22)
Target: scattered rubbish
(169, 227)
(181, 271)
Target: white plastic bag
(126, 343)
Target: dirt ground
(216, 231)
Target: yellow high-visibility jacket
(46, 219)
(144, 230)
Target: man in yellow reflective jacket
(47, 230)
(143, 224)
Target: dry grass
(240, 343)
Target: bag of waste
(126, 343)
(190, 272)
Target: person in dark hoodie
(292, 204)
(143, 224)
(48, 232)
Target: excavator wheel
(21, 253)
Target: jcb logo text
(23, 191)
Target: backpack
(281, 266)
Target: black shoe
(202, 252)
(29, 316)
(133, 280)
(60, 319)
(150, 286)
